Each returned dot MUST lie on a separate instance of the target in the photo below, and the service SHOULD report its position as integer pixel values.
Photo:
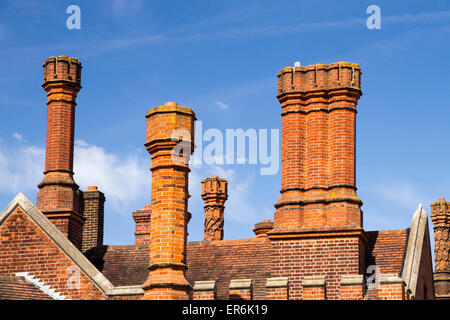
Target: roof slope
(387, 249)
(18, 288)
(225, 260)
(121, 265)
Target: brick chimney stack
(318, 147)
(94, 213)
(58, 196)
(214, 193)
(142, 218)
(440, 215)
(170, 142)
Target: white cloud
(21, 168)
(123, 179)
(222, 105)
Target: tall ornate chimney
(170, 142)
(58, 196)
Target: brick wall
(25, 248)
(329, 256)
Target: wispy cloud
(122, 8)
(222, 105)
(17, 136)
(401, 192)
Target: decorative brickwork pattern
(440, 215)
(214, 193)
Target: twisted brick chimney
(214, 193)
(440, 215)
(170, 142)
(318, 105)
(58, 196)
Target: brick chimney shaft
(169, 217)
(214, 193)
(94, 213)
(318, 147)
(58, 196)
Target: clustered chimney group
(318, 187)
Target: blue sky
(209, 54)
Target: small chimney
(93, 211)
(214, 193)
(262, 228)
(142, 218)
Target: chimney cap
(262, 228)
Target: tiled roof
(230, 259)
(18, 288)
(217, 260)
(121, 265)
(387, 250)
